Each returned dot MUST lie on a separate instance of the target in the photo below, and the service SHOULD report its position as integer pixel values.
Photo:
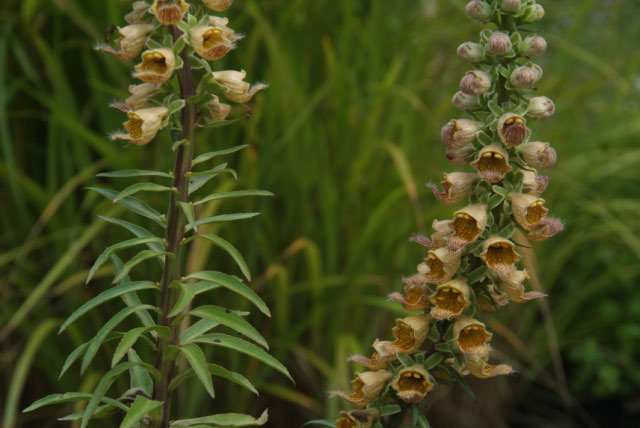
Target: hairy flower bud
(500, 255)
(533, 13)
(130, 43)
(169, 12)
(237, 90)
(510, 5)
(514, 289)
(460, 132)
(524, 77)
(479, 10)
(366, 387)
(541, 108)
(463, 101)
(492, 163)
(471, 336)
(459, 157)
(455, 187)
(136, 16)
(143, 125)
(475, 82)
(539, 155)
(499, 44)
(528, 210)
(157, 66)
(512, 129)
(413, 383)
(472, 52)
(209, 42)
(218, 5)
(532, 46)
(140, 95)
(545, 229)
(357, 418)
(450, 299)
(467, 225)
(533, 183)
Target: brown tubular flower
(455, 187)
(479, 367)
(492, 163)
(410, 333)
(439, 266)
(169, 12)
(157, 66)
(136, 16)
(512, 129)
(475, 82)
(237, 90)
(528, 210)
(413, 383)
(140, 95)
(416, 297)
(514, 289)
(532, 182)
(538, 155)
(366, 387)
(209, 42)
(143, 125)
(471, 336)
(450, 299)
(459, 133)
(500, 255)
(357, 418)
(131, 42)
(218, 5)
(468, 224)
(545, 229)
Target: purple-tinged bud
(459, 133)
(479, 10)
(463, 101)
(510, 5)
(492, 163)
(499, 44)
(475, 82)
(532, 46)
(538, 155)
(512, 129)
(533, 13)
(541, 108)
(455, 187)
(545, 229)
(533, 183)
(523, 77)
(472, 52)
(538, 71)
(459, 157)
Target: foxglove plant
(173, 42)
(472, 263)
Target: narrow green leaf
(231, 250)
(190, 213)
(197, 181)
(223, 218)
(215, 370)
(69, 397)
(104, 256)
(390, 409)
(204, 286)
(73, 357)
(198, 328)
(232, 284)
(215, 172)
(140, 373)
(134, 173)
(433, 360)
(139, 409)
(105, 296)
(444, 347)
(225, 420)
(229, 319)
(132, 299)
(198, 363)
(131, 337)
(423, 422)
(136, 230)
(247, 348)
(136, 260)
(405, 359)
(99, 413)
(133, 204)
(102, 388)
(234, 194)
(141, 187)
(187, 293)
(321, 422)
(207, 156)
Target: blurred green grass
(345, 137)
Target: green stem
(175, 234)
(395, 421)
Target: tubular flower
(140, 95)
(410, 333)
(538, 155)
(415, 299)
(545, 229)
(357, 418)
(439, 266)
(471, 336)
(136, 16)
(143, 125)
(479, 367)
(467, 225)
(455, 187)
(514, 289)
(214, 41)
(459, 133)
(379, 358)
(157, 66)
(460, 156)
(218, 5)
(500, 255)
(528, 210)
(492, 163)
(219, 111)
(366, 387)
(512, 129)
(541, 108)
(475, 82)
(169, 12)
(130, 43)
(413, 383)
(237, 90)
(532, 182)
(450, 299)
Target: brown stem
(175, 233)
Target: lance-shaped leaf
(197, 181)
(187, 293)
(242, 346)
(140, 373)
(132, 299)
(321, 422)
(231, 250)
(131, 337)
(190, 213)
(104, 256)
(139, 231)
(229, 319)
(141, 187)
(215, 370)
(136, 260)
(73, 357)
(225, 420)
(134, 173)
(210, 155)
(69, 397)
(215, 172)
(234, 194)
(139, 409)
(223, 218)
(198, 363)
(233, 284)
(133, 204)
(198, 328)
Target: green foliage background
(345, 137)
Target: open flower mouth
(357, 418)
(154, 62)
(413, 382)
(405, 339)
(134, 125)
(465, 227)
(492, 162)
(514, 131)
(501, 258)
(211, 37)
(449, 299)
(473, 339)
(435, 265)
(536, 212)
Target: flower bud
(541, 107)
(130, 43)
(532, 46)
(459, 157)
(218, 110)
(500, 255)
(479, 10)
(479, 367)
(143, 125)
(463, 101)
(136, 16)
(468, 224)
(366, 387)
(492, 163)
(533, 13)
(524, 77)
(527, 209)
(413, 383)
(512, 130)
(209, 42)
(450, 299)
(169, 12)
(140, 95)
(357, 418)
(538, 155)
(218, 5)
(223, 25)
(513, 287)
(510, 5)
(157, 66)
(471, 336)
(545, 229)
(532, 182)
(499, 44)
(460, 132)
(475, 82)
(455, 187)
(472, 52)
(237, 90)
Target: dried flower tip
(131, 42)
(157, 66)
(510, 5)
(460, 132)
(475, 82)
(471, 336)
(541, 108)
(366, 387)
(538, 155)
(169, 12)
(472, 52)
(463, 101)
(460, 157)
(441, 233)
(455, 187)
(532, 182)
(237, 90)
(357, 418)
(218, 5)
(219, 111)
(422, 240)
(415, 299)
(467, 225)
(479, 10)
(532, 46)
(413, 383)
(140, 95)
(209, 42)
(545, 229)
(450, 299)
(492, 163)
(439, 266)
(143, 125)
(533, 13)
(500, 255)
(524, 77)
(223, 25)
(479, 367)
(136, 16)
(499, 44)
(528, 210)
(512, 129)
(513, 287)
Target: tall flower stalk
(173, 43)
(472, 263)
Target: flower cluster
(472, 260)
